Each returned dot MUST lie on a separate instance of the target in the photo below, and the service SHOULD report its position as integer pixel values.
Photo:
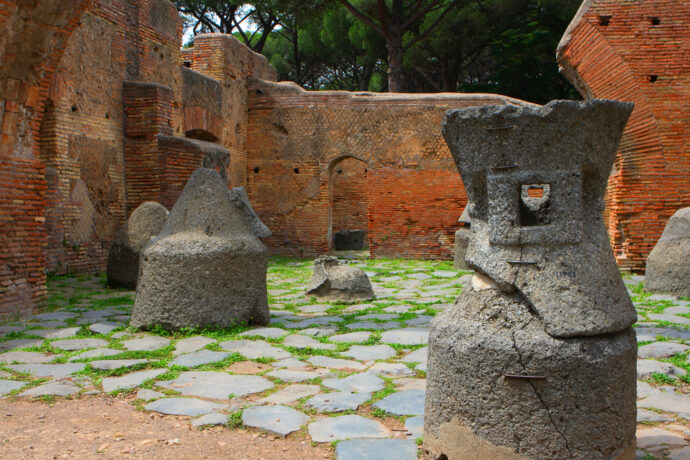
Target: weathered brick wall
(637, 51)
(33, 36)
(82, 132)
(349, 203)
(295, 136)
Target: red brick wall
(295, 135)
(414, 213)
(349, 204)
(33, 36)
(632, 59)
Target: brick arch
(199, 121)
(32, 40)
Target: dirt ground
(108, 428)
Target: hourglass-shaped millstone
(536, 359)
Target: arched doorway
(348, 205)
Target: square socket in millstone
(554, 217)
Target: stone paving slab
(96, 353)
(149, 343)
(338, 401)
(197, 358)
(414, 427)
(360, 383)
(147, 395)
(278, 420)
(667, 402)
(55, 388)
(213, 418)
(351, 337)
(303, 341)
(55, 333)
(265, 332)
(376, 449)
(130, 380)
(192, 344)
(661, 350)
(104, 327)
(292, 376)
(20, 343)
(78, 344)
(290, 393)
(334, 363)
(346, 427)
(7, 386)
(254, 349)
(110, 364)
(391, 370)
(183, 406)
(417, 356)
(406, 336)
(370, 352)
(216, 385)
(47, 370)
(25, 357)
(410, 402)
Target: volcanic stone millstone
(668, 265)
(207, 267)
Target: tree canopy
(499, 46)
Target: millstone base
(578, 402)
(202, 282)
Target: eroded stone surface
(332, 282)
(668, 269)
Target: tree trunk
(395, 63)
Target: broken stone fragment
(207, 267)
(333, 282)
(668, 265)
(123, 257)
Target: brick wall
(33, 36)
(295, 136)
(637, 51)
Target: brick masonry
(637, 51)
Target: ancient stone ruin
(207, 267)
(123, 258)
(462, 239)
(668, 265)
(334, 282)
(537, 359)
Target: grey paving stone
(319, 331)
(183, 406)
(279, 420)
(47, 370)
(376, 449)
(346, 427)
(7, 386)
(398, 308)
(421, 367)
(381, 316)
(213, 418)
(78, 344)
(677, 454)
(53, 316)
(370, 352)
(417, 356)
(351, 337)
(25, 357)
(337, 401)
(667, 402)
(677, 310)
(645, 368)
(419, 320)
(658, 297)
(265, 332)
(192, 344)
(419, 276)
(291, 376)
(55, 388)
(110, 364)
(414, 427)
(669, 332)
(644, 389)
(371, 325)
(303, 341)
(120, 335)
(314, 321)
(130, 380)
(391, 370)
(359, 383)
(360, 307)
(96, 353)
(444, 274)
(148, 343)
(407, 336)
(661, 350)
(652, 438)
(290, 393)
(670, 318)
(315, 308)
(290, 363)
(56, 333)
(644, 415)
(197, 358)
(410, 402)
(334, 363)
(20, 343)
(147, 395)
(410, 384)
(254, 349)
(98, 315)
(8, 329)
(217, 385)
(104, 327)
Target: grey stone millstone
(206, 267)
(462, 239)
(333, 282)
(668, 265)
(143, 224)
(376, 449)
(565, 149)
(584, 407)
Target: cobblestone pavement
(332, 371)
